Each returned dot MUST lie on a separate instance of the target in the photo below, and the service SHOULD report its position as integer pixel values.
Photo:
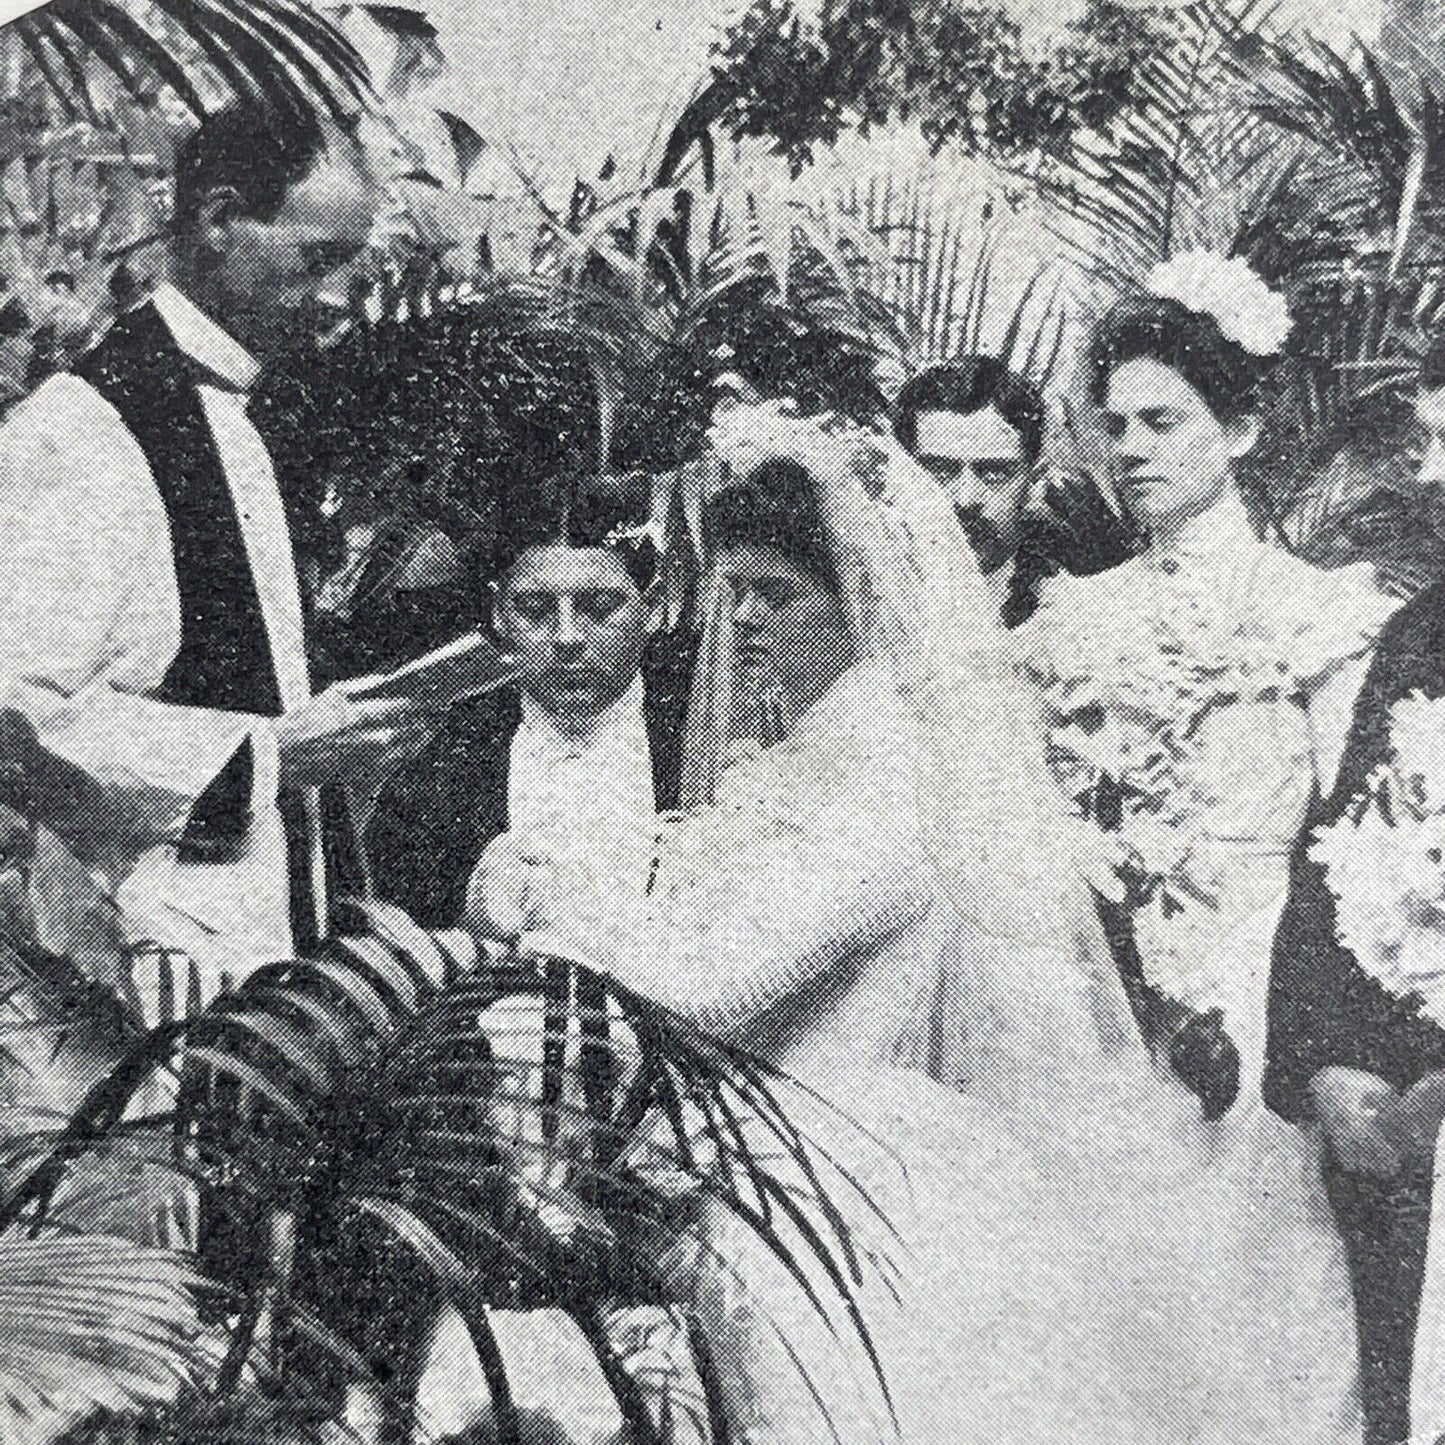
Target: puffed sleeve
(1327, 624)
(1322, 620)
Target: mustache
(972, 517)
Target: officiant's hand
(340, 734)
(1348, 1104)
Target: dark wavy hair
(558, 510)
(260, 151)
(775, 505)
(969, 384)
(1161, 329)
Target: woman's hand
(510, 888)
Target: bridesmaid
(1197, 696)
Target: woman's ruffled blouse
(1229, 618)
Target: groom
(1342, 1048)
(586, 744)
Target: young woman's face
(789, 629)
(1173, 458)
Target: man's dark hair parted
(969, 384)
(260, 151)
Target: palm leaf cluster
(940, 276)
(1321, 167)
(200, 52)
(729, 266)
(1354, 231)
(829, 295)
(92, 1325)
(99, 92)
(1180, 167)
(395, 1120)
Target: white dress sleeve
(1329, 622)
(767, 900)
(89, 610)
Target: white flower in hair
(1247, 310)
(639, 534)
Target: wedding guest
(148, 589)
(1341, 1046)
(583, 751)
(1197, 696)
(979, 428)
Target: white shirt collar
(204, 341)
(621, 718)
(997, 583)
(590, 798)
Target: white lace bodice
(794, 913)
(1198, 679)
(803, 916)
(1195, 700)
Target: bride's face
(790, 632)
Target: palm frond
(92, 1324)
(1176, 167)
(936, 268)
(281, 51)
(373, 1088)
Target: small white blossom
(1417, 734)
(1384, 861)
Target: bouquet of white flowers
(1384, 860)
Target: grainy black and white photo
(722, 722)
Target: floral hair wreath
(639, 536)
(1227, 289)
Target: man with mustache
(154, 627)
(979, 428)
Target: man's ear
(216, 215)
(1243, 436)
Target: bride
(869, 891)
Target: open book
(467, 665)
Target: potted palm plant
(361, 1147)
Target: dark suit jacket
(1077, 532)
(1324, 1009)
(438, 813)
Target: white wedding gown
(883, 906)
(1059, 1265)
